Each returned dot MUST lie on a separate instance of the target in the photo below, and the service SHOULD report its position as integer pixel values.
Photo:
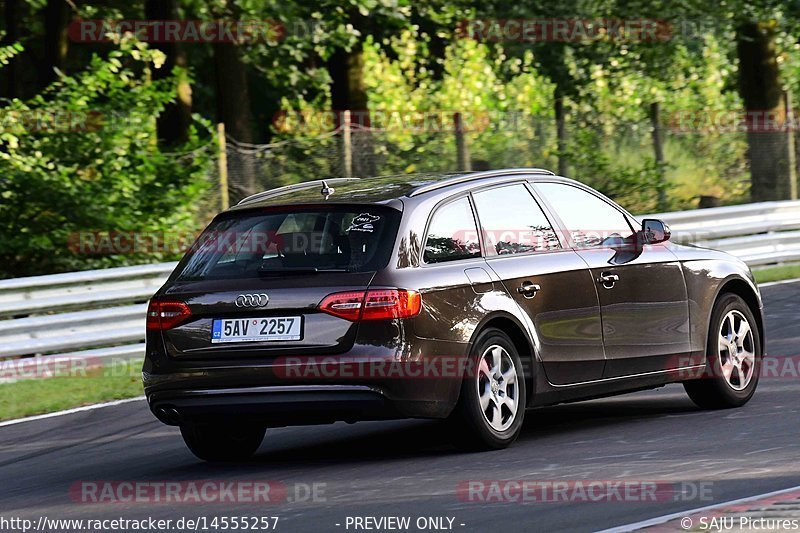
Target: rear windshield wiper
(298, 270)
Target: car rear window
(292, 240)
(452, 234)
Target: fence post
(658, 149)
(347, 145)
(561, 134)
(791, 144)
(222, 160)
(462, 149)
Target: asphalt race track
(407, 468)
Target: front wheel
(217, 442)
(733, 360)
(491, 406)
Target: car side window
(513, 222)
(590, 220)
(452, 234)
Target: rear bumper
(278, 405)
(279, 392)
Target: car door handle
(528, 289)
(607, 280)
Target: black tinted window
(250, 244)
(513, 222)
(590, 220)
(452, 234)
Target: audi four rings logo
(252, 300)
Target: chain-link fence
(692, 166)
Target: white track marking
(70, 411)
(674, 516)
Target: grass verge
(777, 273)
(29, 397)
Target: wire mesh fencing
(692, 167)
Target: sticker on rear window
(364, 222)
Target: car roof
(385, 189)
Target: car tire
(218, 443)
(729, 379)
(484, 419)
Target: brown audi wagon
(464, 297)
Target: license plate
(279, 328)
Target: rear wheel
(218, 442)
(733, 360)
(491, 407)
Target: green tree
(81, 157)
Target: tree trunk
(174, 121)
(234, 110)
(437, 45)
(11, 14)
(348, 92)
(761, 91)
(57, 15)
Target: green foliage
(506, 104)
(7, 52)
(602, 165)
(609, 134)
(82, 157)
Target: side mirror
(654, 231)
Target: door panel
(645, 313)
(564, 311)
(641, 289)
(549, 283)
(450, 279)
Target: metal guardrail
(760, 234)
(100, 313)
(79, 315)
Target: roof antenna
(326, 190)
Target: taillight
(391, 303)
(374, 304)
(343, 304)
(166, 314)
